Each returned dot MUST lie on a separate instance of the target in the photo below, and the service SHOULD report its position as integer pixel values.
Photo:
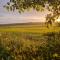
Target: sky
(15, 17)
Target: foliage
(15, 46)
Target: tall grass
(29, 46)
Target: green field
(33, 28)
(29, 42)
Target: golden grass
(30, 29)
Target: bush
(15, 46)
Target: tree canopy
(38, 5)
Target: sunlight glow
(58, 20)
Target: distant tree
(39, 5)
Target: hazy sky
(14, 17)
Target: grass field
(29, 42)
(33, 28)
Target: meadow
(29, 42)
(29, 27)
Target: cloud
(20, 19)
(15, 17)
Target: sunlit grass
(29, 42)
(30, 29)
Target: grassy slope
(28, 28)
(24, 42)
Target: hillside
(29, 27)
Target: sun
(58, 20)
